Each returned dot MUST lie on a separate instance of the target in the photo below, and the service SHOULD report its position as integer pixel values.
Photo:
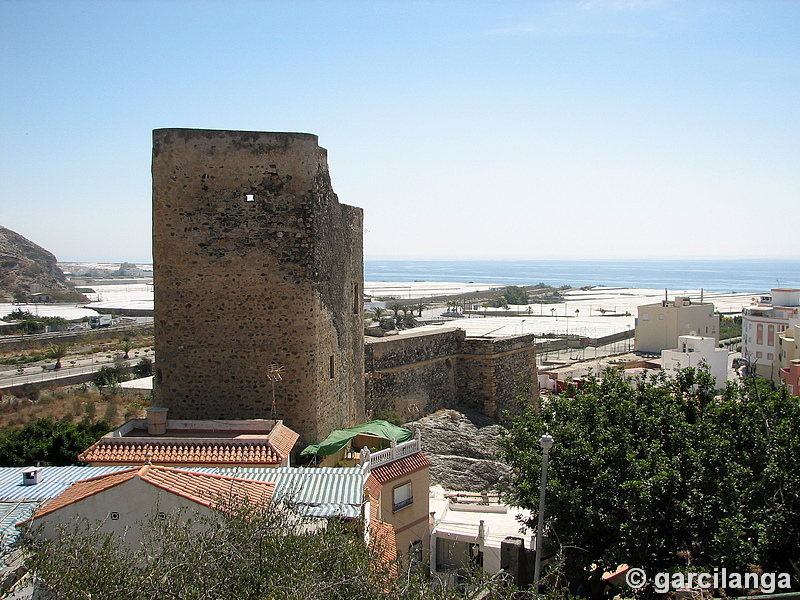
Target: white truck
(101, 321)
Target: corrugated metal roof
(12, 513)
(318, 491)
(54, 480)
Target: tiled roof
(390, 471)
(207, 489)
(283, 439)
(53, 480)
(384, 541)
(83, 489)
(188, 451)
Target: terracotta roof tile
(207, 489)
(85, 488)
(384, 541)
(396, 468)
(192, 452)
(283, 439)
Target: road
(11, 377)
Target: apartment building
(763, 322)
(659, 325)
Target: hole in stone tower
(249, 197)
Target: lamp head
(546, 442)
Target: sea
(719, 275)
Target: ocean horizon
(719, 275)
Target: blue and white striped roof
(53, 481)
(316, 491)
(12, 513)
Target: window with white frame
(402, 496)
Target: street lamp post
(546, 442)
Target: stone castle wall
(255, 263)
(415, 374)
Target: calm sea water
(729, 275)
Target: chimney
(31, 476)
(157, 421)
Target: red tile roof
(384, 542)
(85, 488)
(187, 451)
(393, 470)
(204, 488)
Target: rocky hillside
(462, 449)
(26, 268)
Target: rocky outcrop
(27, 268)
(462, 449)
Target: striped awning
(315, 491)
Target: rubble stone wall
(256, 263)
(416, 374)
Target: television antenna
(274, 372)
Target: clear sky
(489, 129)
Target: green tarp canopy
(339, 438)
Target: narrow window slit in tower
(249, 197)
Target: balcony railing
(395, 451)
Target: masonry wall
(418, 373)
(255, 263)
(497, 376)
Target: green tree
(243, 551)
(110, 375)
(127, 346)
(644, 469)
(144, 368)
(57, 352)
(48, 442)
(516, 295)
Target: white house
(691, 351)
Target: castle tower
(256, 264)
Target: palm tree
(377, 312)
(58, 351)
(395, 308)
(127, 346)
(420, 307)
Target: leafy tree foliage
(48, 442)
(109, 375)
(33, 323)
(646, 469)
(144, 368)
(240, 552)
(515, 295)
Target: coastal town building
(468, 530)
(787, 358)
(766, 318)
(178, 443)
(120, 501)
(659, 325)
(694, 350)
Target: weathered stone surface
(26, 266)
(418, 373)
(463, 450)
(255, 263)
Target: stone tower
(256, 263)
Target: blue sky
(463, 129)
